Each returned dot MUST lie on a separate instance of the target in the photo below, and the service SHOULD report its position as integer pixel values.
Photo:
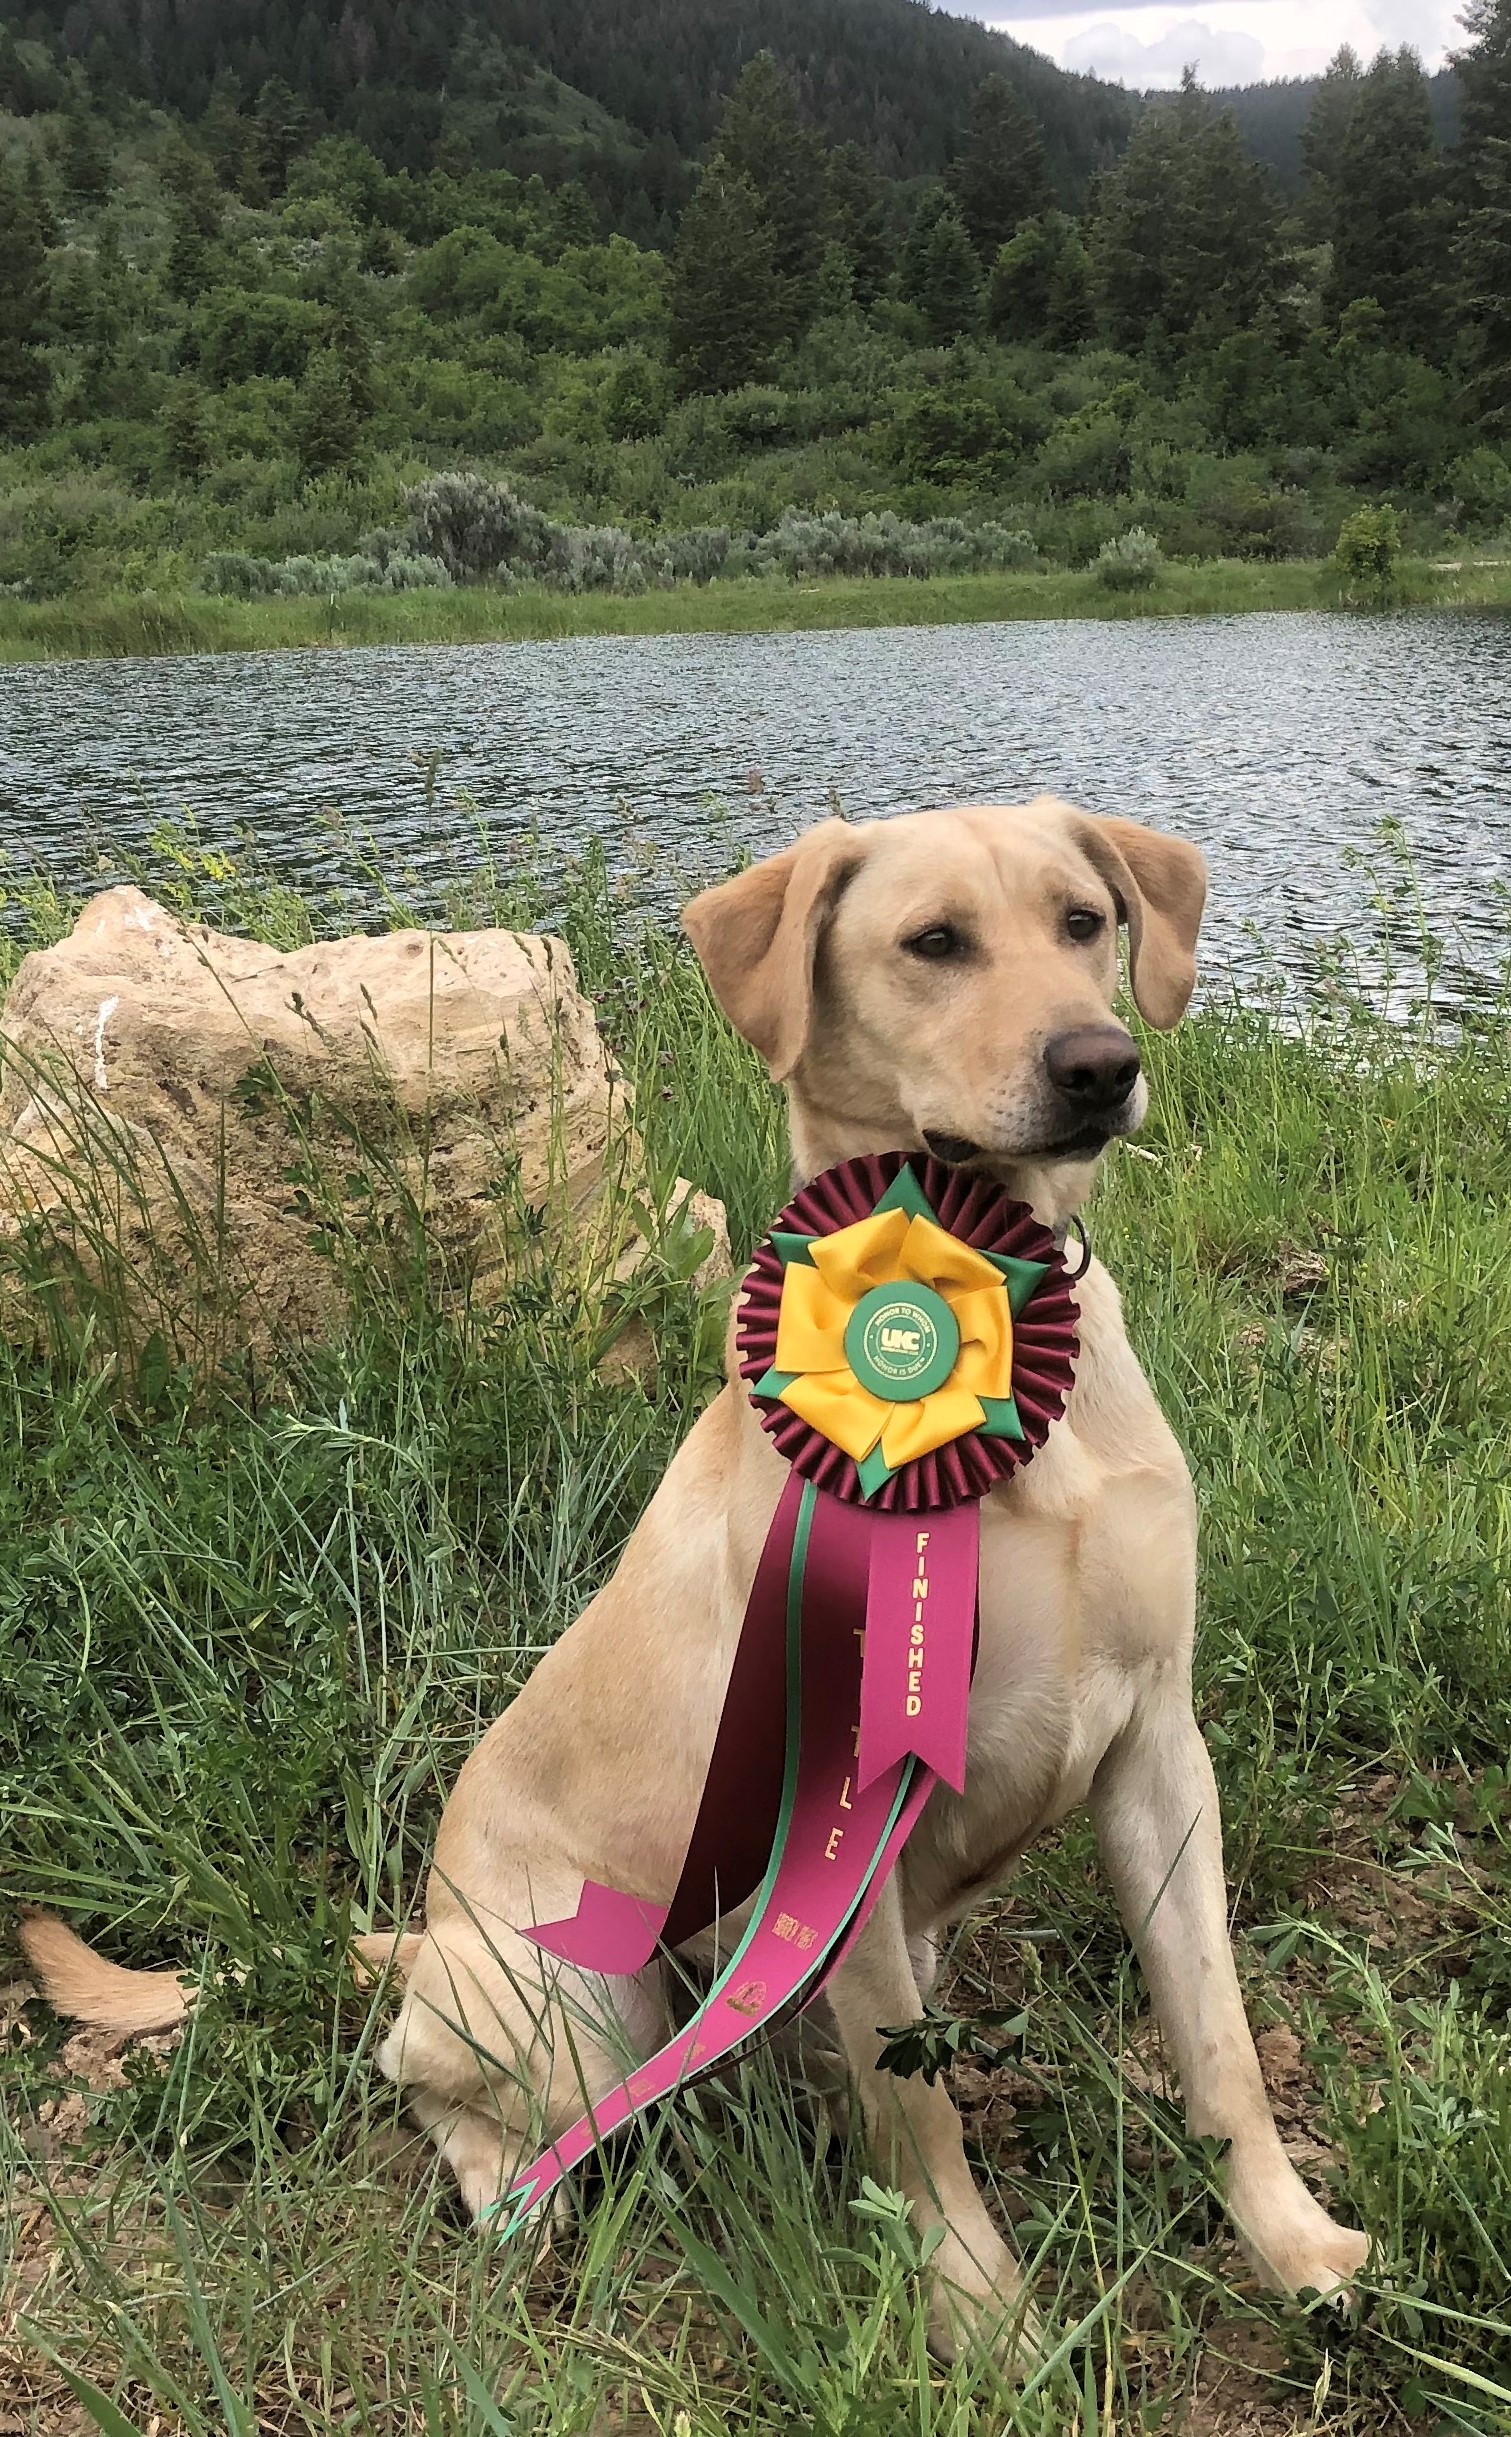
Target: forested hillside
(369, 292)
(1272, 119)
(891, 75)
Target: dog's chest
(1084, 1593)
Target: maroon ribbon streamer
(839, 1840)
(736, 1823)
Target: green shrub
(1041, 283)
(635, 396)
(475, 526)
(1480, 484)
(1131, 563)
(243, 335)
(803, 545)
(445, 403)
(243, 577)
(1089, 453)
(1369, 545)
(760, 418)
(955, 439)
(1248, 515)
(483, 529)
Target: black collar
(1078, 1225)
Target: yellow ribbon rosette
(897, 1339)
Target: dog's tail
(80, 1983)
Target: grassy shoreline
(153, 625)
(245, 1643)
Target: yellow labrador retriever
(941, 980)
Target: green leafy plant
(1368, 547)
(1131, 563)
(932, 2044)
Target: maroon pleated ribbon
(978, 1213)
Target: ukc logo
(902, 1342)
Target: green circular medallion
(902, 1342)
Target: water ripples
(1280, 743)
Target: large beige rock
(205, 1138)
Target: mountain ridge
(895, 76)
(1272, 114)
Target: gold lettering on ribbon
(913, 1703)
(836, 1839)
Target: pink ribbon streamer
(915, 1694)
(871, 1694)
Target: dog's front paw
(1295, 2245)
(974, 2313)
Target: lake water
(1280, 743)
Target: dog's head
(945, 980)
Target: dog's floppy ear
(757, 938)
(1161, 886)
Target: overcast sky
(1232, 42)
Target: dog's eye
(1084, 922)
(941, 939)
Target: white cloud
(1428, 25)
(1219, 56)
(1234, 41)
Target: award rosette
(907, 1333)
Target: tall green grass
(153, 624)
(244, 1647)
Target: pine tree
(25, 378)
(280, 124)
(37, 187)
(858, 215)
(726, 302)
(1230, 259)
(1186, 233)
(913, 260)
(195, 209)
(106, 323)
(455, 156)
(20, 90)
(1041, 283)
(188, 433)
(941, 271)
(85, 161)
(1388, 230)
(1484, 241)
(225, 133)
(186, 266)
(836, 285)
(764, 140)
(1000, 176)
(1322, 139)
(188, 175)
(1136, 231)
(348, 333)
(325, 423)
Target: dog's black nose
(1093, 1066)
